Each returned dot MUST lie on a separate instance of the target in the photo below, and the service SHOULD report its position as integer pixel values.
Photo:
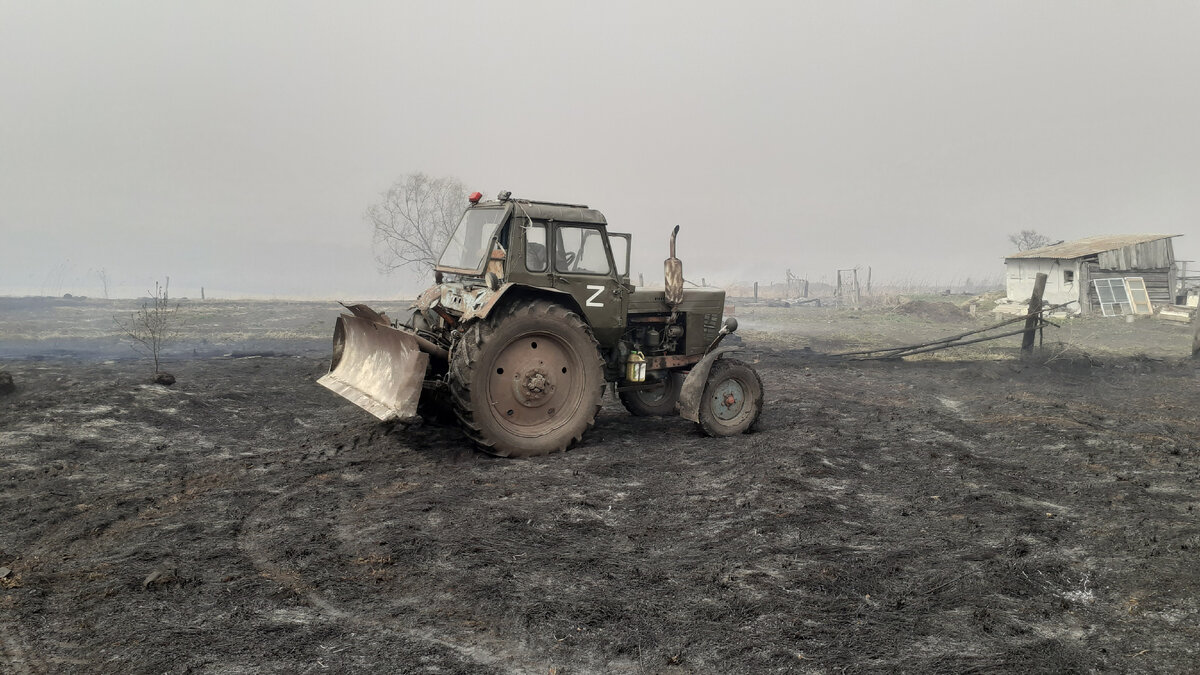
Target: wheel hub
(727, 399)
(533, 387)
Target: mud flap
(376, 367)
(693, 384)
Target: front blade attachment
(376, 367)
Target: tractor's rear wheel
(528, 380)
(732, 399)
(656, 401)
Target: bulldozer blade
(376, 367)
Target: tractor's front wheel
(528, 380)
(732, 399)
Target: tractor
(531, 317)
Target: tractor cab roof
(535, 210)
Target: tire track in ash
(18, 659)
(269, 516)
(75, 540)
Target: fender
(493, 301)
(693, 384)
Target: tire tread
(474, 341)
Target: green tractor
(531, 315)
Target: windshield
(467, 248)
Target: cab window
(535, 248)
(579, 250)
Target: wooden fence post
(1035, 313)
(857, 291)
(756, 291)
(1196, 336)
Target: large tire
(732, 399)
(657, 402)
(528, 380)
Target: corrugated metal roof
(1079, 248)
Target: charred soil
(899, 517)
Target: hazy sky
(235, 145)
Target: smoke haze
(236, 145)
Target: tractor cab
(547, 246)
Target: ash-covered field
(969, 512)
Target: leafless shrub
(155, 325)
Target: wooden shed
(1072, 268)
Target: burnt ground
(980, 514)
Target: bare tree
(1026, 240)
(102, 274)
(153, 326)
(416, 218)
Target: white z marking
(599, 290)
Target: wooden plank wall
(1149, 255)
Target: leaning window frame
(1112, 306)
(1139, 295)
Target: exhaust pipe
(673, 270)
